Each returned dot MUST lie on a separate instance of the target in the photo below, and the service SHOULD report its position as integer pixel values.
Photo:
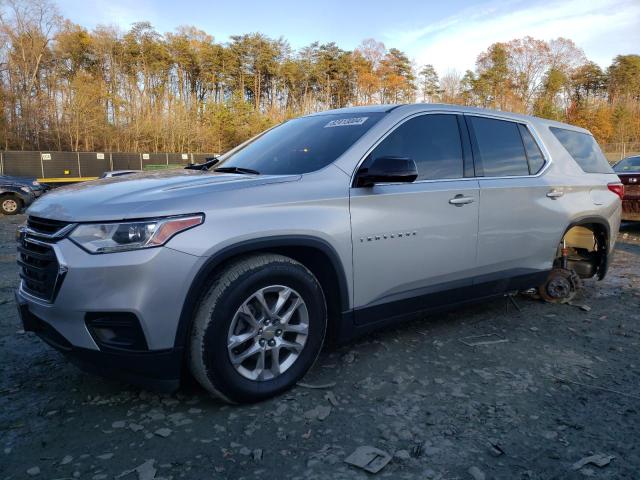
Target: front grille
(39, 268)
(45, 226)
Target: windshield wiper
(247, 171)
(203, 166)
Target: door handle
(555, 194)
(460, 200)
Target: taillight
(617, 188)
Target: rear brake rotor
(561, 286)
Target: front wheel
(258, 329)
(10, 204)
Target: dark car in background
(119, 173)
(628, 170)
(17, 193)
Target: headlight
(35, 183)
(25, 189)
(116, 237)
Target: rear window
(500, 147)
(584, 149)
(628, 165)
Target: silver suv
(326, 226)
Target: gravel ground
(555, 385)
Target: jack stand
(511, 299)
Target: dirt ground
(550, 386)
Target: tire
(10, 204)
(231, 309)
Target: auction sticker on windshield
(346, 122)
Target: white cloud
(121, 13)
(602, 28)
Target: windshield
(302, 145)
(628, 165)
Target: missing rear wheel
(561, 286)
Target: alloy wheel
(268, 333)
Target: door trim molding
(449, 294)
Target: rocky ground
(484, 392)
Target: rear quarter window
(584, 149)
(534, 155)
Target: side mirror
(386, 169)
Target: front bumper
(27, 198)
(150, 284)
(158, 370)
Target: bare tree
(450, 86)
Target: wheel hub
(559, 287)
(10, 205)
(268, 332)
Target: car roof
(425, 107)
(384, 108)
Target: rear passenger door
(519, 223)
(412, 241)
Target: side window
(534, 155)
(432, 141)
(499, 147)
(584, 150)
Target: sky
(448, 34)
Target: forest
(63, 87)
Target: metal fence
(78, 166)
(617, 151)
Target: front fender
(256, 245)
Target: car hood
(26, 181)
(168, 192)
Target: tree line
(63, 87)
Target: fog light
(116, 331)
